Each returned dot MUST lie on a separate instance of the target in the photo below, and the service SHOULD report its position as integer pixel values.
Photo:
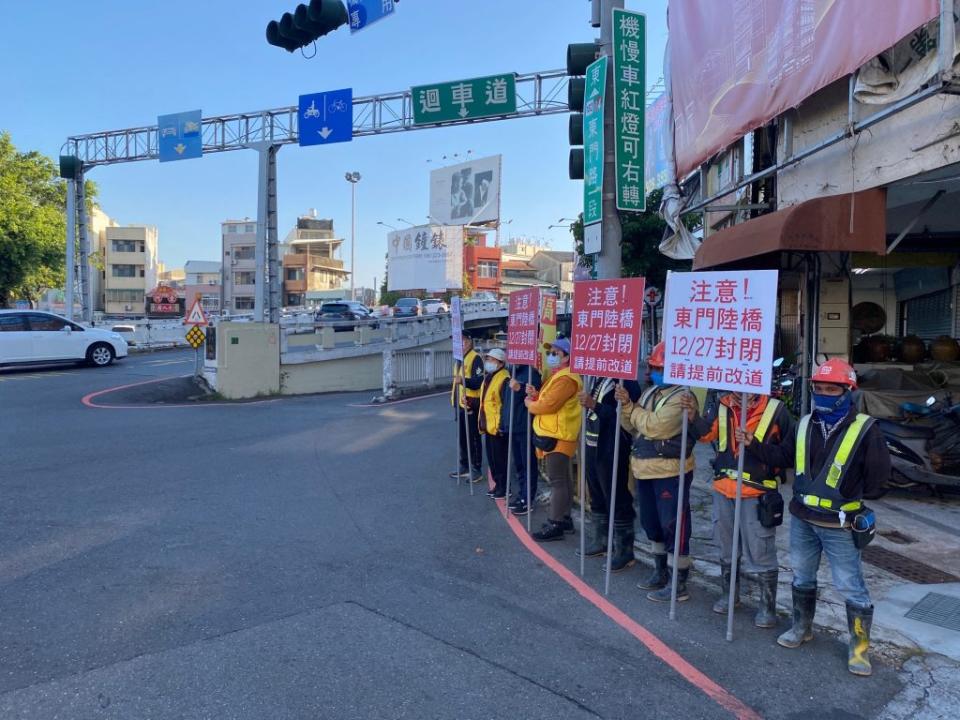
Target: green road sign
(593, 97)
(464, 99)
(629, 84)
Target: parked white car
(32, 336)
(435, 306)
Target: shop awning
(819, 225)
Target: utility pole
(609, 261)
(353, 178)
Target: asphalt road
(309, 558)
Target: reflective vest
(592, 430)
(645, 448)
(766, 419)
(491, 404)
(565, 423)
(823, 491)
(458, 373)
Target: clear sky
(69, 68)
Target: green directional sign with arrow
(593, 100)
(464, 99)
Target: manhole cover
(906, 568)
(937, 609)
(896, 536)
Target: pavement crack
(476, 655)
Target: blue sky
(69, 68)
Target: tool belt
(644, 449)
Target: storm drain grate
(937, 609)
(906, 568)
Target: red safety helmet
(657, 355)
(836, 371)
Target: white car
(435, 306)
(32, 336)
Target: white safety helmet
(497, 354)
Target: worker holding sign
(769, 442)
(655, 422)
(467, 379)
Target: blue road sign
(366, 12)
(180, 136)
(326, 117)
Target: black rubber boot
(804, 607)
(622, 547)
(596, 536)
(766, 616)
(722, 603)
(665, 593)
(859, 621)
(659, 576)
(549, 532)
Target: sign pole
(466, 436)
(680, 497)
(734, 567)
(529, 464)
(457, 409)
(583, 484)
(506, 502)
(613, 496)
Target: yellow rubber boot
(859, 621)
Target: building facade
(129, 268)
(481, 264)
(239, 243)
(312, 268)
(202, 282)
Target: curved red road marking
(654, 644)
(88, 398)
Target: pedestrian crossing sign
(196, 337)
(196, 316)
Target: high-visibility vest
(823, 491)
(646, 448)
(600, 390)
(565, 423)
(468, 360)
(766, 419)
(491, 405)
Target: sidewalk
(912, 567)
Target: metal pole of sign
(613, 497)
(71, 248)
(583, 483)
(506, 502)
(677, 535)
(736, 521)
(457, 409)
(529, 464)
(466, 437)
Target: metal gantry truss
(540, 93)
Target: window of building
(294, 273)
(231, 228)
(487, 268)
(244, 252)
(13, 322)
(124, 271)
(134, 297)
(243, 303)
(124, 246)
(244, 277)
(249, 228)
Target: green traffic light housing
(575, 131)
(306, 24)
(576, 163)
(579, 56)
(70, 167)
(576, 89)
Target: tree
(32, 223)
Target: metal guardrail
(420, 369)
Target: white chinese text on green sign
(629, 83)
(593, 97)
(464, 99)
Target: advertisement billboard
(425, 257)
(467, 193)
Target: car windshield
(335, 308)
(406, 302)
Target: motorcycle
(785, 386)
(925, 445)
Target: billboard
(425, 257)
(467, 193)
(736, 64)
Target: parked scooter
(786, 388)
(925, 445)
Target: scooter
(925, 446)
(785, 387)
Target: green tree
(32, 223)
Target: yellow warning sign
(196, 337)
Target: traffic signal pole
(609, 260)
(267, 297)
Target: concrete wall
(248, 359)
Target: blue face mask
(832, 408)
(553, 360)
(656, 377)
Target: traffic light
(70, 167)
(306, 24)
(579, 56)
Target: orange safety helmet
(836, 371)
(657, 355)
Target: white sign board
(427, 256)
(456, 328)
(467, 193)
(718, 330)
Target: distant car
(435, 306)
(345, 315)
(484, 295)
(35, 337)
(407, 307)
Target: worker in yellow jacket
(493, 418)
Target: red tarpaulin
(736, 64)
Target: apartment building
(311, 266)
(129, 268)
(239, 242)
(203, 280)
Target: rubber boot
(659, 576)
(595, 542)
(804, 606)
(665, 593)
(622, 547)
(766, 616)
(722, 603)
(859, 620)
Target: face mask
(656, 377)
(832, 408)
(491, 367)
(553, 360)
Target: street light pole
(353, 178)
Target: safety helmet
(657, 356)
(836, 371)
(497, 354)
